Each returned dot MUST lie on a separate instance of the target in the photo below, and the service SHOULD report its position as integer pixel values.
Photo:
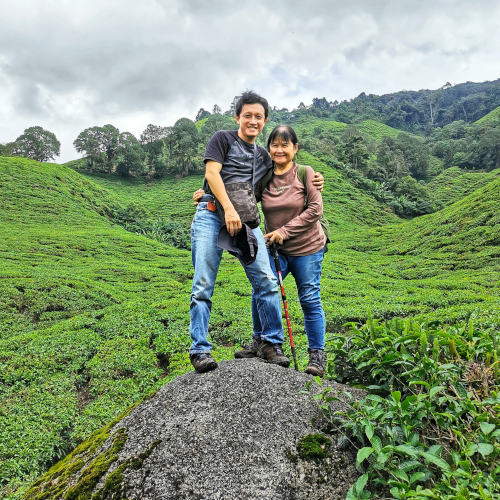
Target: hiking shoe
(317, 362)
(250, 351)
(273, 353)
(203, 362)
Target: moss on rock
(90, 476)
(56, 481)
(114, 481)
(314, 447)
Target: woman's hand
(197, 196)
(318, 181)
(274, 237)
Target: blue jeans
(306, 269)
(206, 256)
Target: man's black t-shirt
(237, 158)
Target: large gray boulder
(228, 434)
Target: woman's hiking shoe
(203, 362)
(273, 353)
(250, 351)
(317, 362)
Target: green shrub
(430, 425)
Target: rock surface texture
(227, 434)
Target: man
(232, 156)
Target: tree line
(414, 111)
(160, 151)
(395, 170)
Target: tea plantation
(93, 317)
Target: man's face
(251, 121)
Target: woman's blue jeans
(206, 256)
(306, 269)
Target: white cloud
(68, 65)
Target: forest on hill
(96, 275)
(391, 146)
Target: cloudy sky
(71, 64)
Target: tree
(214, 123)
(153, 141)
(232, 108)
(110, 135)
(182, 147)
(485, 152)
(320, 103)
(390, 165)
(201, 114)
(152, 134)
(38, 144)
(216, 110)
(416, 154)
(90, 142)
(130, 155)
(7, 149)
(100, 144)
(353, 150)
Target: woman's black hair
(283, 132)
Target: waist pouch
(243, 199)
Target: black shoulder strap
(261, 185)
(302, 175)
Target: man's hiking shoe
(203, 362)
(273, 353)
(317, 362)
(251, 351)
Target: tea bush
(430, 425)
(94, 317)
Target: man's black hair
(250, 97)
(283, 132)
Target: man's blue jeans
(206, 256)
(306, 269)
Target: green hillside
(79, 337)
(171, 198)
(444, 264)
(374, 130)
(454, 183)
(468, 231)
(345, 206)
(311, 125)
(167, 198)
(492, 118)
(94, 317)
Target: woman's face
(282, 152)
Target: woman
(292, 213)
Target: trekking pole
(274, 251)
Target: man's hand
(197, 195)
(318, 181)
(233, 221)
(274, 237)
